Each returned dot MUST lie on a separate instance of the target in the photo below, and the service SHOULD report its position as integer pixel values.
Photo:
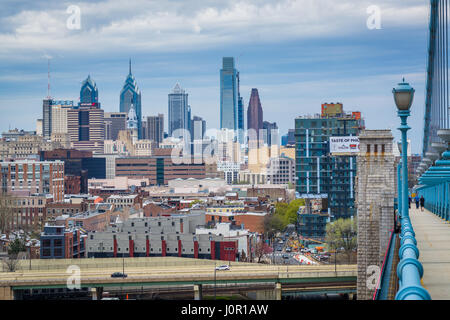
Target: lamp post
(399, 189)
(409, 269)
(403, 97)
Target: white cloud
(191, 25)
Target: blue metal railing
(409, 269)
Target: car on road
(119, 275)
(288, 249)
(286, 256)
(224, 267)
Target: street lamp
(403, 97)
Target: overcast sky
(299, 54)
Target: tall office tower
(39, 127)
(144, 128)
(86, 122)
(131, 95)
(198, 128)
(59, 111)
(86, 129)
(89, 91)
(155, 128)
(228, 95)
(240, 112)
(189, 119)
(321, 172)
(47, 117)
(178, 112)
(270, 133)
(254, 118)
(114, 122)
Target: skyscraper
(270, 133)
(47, 117)
(198, 128)
(89, 91)
(131, 95)
(228, 95)
(320, 173)
(114, 122)
(155, 128)
(178, 112)
(85, 122)
(254, 116)
(240, 113)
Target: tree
(342, 233)
(243, 257)
(288, 212)
(6, 213)
(16, 246)
(262, 248)
(273, 224)
(11, 264)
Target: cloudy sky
(298, 53)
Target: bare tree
(6, 213)
(11, 264)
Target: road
(172, 274)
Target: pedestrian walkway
(433, 241)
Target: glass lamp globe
(403, 96)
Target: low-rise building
(121, 201)
(160, 236)
(58, 242)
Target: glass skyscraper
(89, 91)
(178, 112)
(228, 95)
(131, 95)
(240, 113)
(321, 174)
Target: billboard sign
(344, 145)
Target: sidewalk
(433, 241)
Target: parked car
(119, 275)
(288, 249)
(224, 267)
(286, 256)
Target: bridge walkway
(433, 241)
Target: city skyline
(289, 69)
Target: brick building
(26, 177)
(158, 168)
(78, 166)
(160, 236)
(57, 242)
(154, 209)
(252, 221)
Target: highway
(173, 272)
(169, 271)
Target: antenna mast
(48, 79)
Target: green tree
(273, 224)
(291, 212)
(342, 233)
(16, 246)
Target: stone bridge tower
(375, 192)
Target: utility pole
(215, 270)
